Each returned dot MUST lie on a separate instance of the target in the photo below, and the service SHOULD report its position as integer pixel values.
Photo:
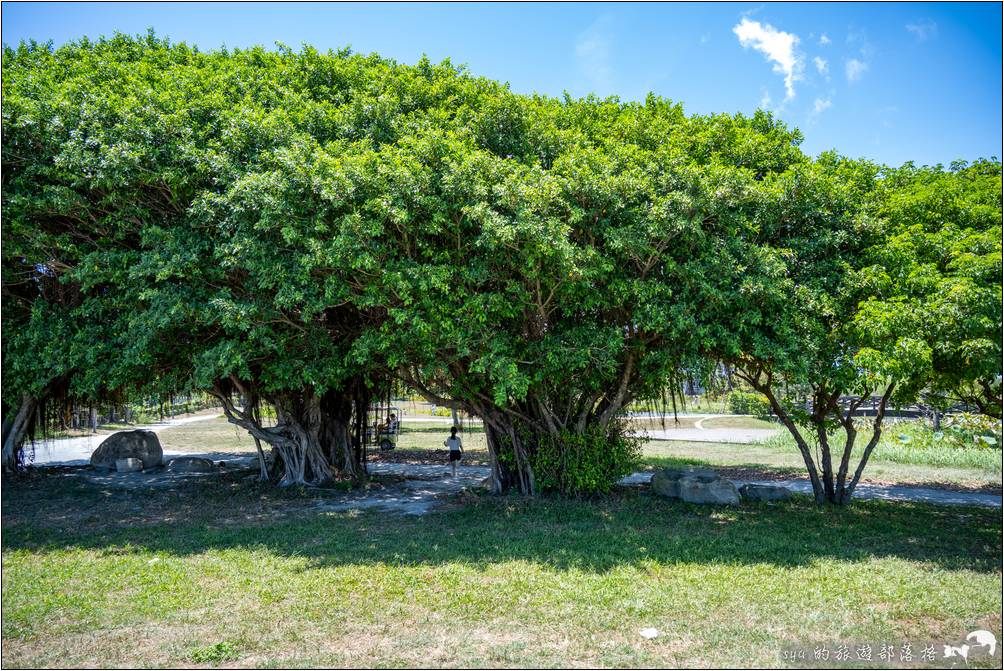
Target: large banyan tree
(293, 231)
(567, 258)
(121, 273)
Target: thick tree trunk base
(15, 431)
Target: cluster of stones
(705, 486)
(139, 450)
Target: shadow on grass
(630, 527)
(740, 470)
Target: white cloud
(821, 65)
(923, 30)
(855, 69)
(592, 52)
(821, 105)
(823, 40)
(777, 47)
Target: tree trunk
(313, 433)
(300, 416)
(338, 408)
(847, 492)
(15, 430)
(511, 467)
(826, 465)
(818, 491)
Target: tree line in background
(302, 230)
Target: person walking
(456, 448)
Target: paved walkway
(700, 434)
(868, 491)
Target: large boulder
(702, 489)
(136, 444)
(752, 492)
(129, 465)
(191, 465)
(667, 481)
(695, 485)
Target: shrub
(964, 431)
(585, 464)
(748, 403)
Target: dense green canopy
(301, 228)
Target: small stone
(154, 560)
(128, 465)
(191, 465)
(649, 633)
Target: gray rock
(666, 485)
(753, 492)
(136, 444)
(129, 465)
(702, 489)
(667, 481)
(191, 465)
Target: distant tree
(848, 309)
(939, 274)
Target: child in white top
(456, 448)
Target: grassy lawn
(890, 462)
(232, 573)
(213, 435)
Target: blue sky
(892, 82)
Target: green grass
(780, 457)
(906, 454)
(240, 574)
(213, 435)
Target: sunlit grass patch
(498, 581)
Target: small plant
(224, 651)
(971, 430)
